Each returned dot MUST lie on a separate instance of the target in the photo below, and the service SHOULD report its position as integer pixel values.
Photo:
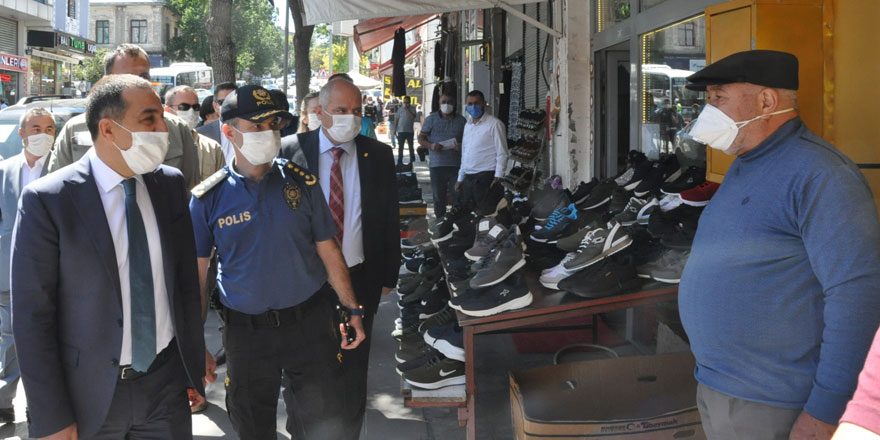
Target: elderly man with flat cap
(781, 294)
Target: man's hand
(807, 427)
(436, 146)
(195, 399)
(494, 181)
(457, 186)
(210, 366)
(357, 324)
(457, 146)
(386, 290)
(68, 433)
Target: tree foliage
(258, 43)
(91, 69)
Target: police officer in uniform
(279, 267)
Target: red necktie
(337, 197)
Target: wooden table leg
(470, 382)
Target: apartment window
(139, 31)
(686, 33)
(102, 31)
(71, 8)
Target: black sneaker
(407, 180)
(619, 199)
(510, 294)
(640, 172)
(423, 358)
(612, 276)
(560, 224)
(434, 302)
(404, 168)
(546, 201)
(419, 239)
(448, 339)
(442, 230)
(583, 191)
(437, 373)
(409, 195)
(600, 195)
(410, 348)
(690, 178)
(444, 317)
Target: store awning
(410, 52)
(328, 11)
(363, 82)
(376, 31)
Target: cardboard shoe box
(633, 398)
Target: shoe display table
(547, 306)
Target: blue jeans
(442, 184)
(9, 371)
(392, 133)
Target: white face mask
(446, 108)
(314, 122)
(39, 144)
(714, 128)
(148, 150)
(189, 116)
(259, 147)
(345, 128)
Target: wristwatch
(357, 311)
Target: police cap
(253, 103)
(768, 68)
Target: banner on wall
(413, 89)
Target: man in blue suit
(105, 293)
(37, 132)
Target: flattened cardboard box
(633, 398)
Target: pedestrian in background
(406, 117)
(442, 134)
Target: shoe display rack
(526, 151)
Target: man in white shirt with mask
(37, 132)
(183, 102)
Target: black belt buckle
(274, 318)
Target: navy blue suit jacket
(380, 211)
(66, 297)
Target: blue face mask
(475, 111)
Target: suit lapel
(15, 175)
(163, 220)
(86, 201)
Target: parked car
(62, 110)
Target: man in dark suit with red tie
(105, 294)
(358, 178)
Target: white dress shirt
(483, 147)
(352, 235)
(29, 174)
(113, 198)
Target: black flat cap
(253, 103)
(768, 68)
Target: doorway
(614, 110)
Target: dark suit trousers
(152, 407)
(356, 363)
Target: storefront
(13, 70)
(53, 56)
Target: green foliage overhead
(319, 53)
(91, 69)
(258, 43)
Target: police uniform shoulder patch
(301, 174)
(208, 184)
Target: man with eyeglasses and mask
(37, 132)
(183, 102)
(280, 267)
(780, 295)
(74, 140)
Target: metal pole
(286, 44)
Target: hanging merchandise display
(398, 58)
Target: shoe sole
(667, 280)
(514, 268)
(630, 285)
(443, 346)
(523, 301)
(553, 283)
(412, 246)
(632, 186)
(443, 238)
(472, 257)
(449, 381)
(410, 202)
(611, 251)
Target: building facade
(148, 23)
(15, 20)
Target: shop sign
(14, 63)
(5, 78)
(75, 43)
(413, 89)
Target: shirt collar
(106, 178)
(325, 144)
(39, 162)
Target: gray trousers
(9, 372)
(726, 417)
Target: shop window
(71, 8)
(473, 24)
(610, 12)
(669, 56)
(102, 31)
(139, 31)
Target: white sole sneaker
(449, 381)
(523, 301)
(514, 268)
(443, 346)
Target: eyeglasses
(184, 107)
